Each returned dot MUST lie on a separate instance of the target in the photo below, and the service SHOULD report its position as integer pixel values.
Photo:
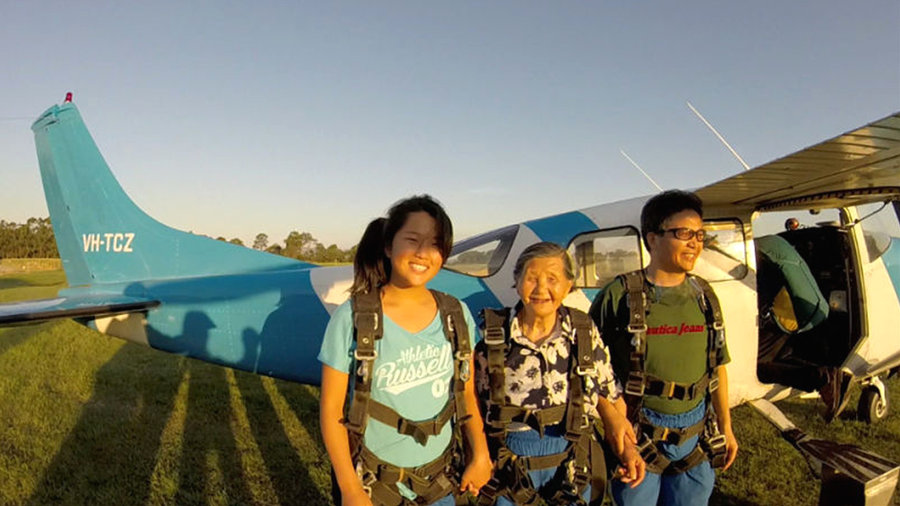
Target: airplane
(134, 278)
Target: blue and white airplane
(132, 277)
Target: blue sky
(233, 118)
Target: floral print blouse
(537, 373)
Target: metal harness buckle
(717, 444)
(635, 384)
(584, 371)
(368, 355)
(494, 336)
(637, 328)
(464, 372)
(647, 449)
(367, 478)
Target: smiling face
(414, 252)
(670, 254)
(543, 285)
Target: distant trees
(261, 242)
(34, 239)
(303, 246)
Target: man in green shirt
(671, 357)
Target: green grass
(86, 419)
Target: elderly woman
(543, 377)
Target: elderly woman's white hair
(544, 250)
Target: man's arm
(723, 415)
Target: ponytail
(371, 267)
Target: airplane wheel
(872, 406)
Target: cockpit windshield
(483, 254)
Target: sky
(234, 118)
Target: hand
(619, 433)
(476, 475)
(633, 468)
(355, 497)
(731, 447)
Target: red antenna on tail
(68, 98)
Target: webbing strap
(420, 431)
(457, 332)
(669, 435)
(430, 481)
(637, 327)
(577, 422)
(511, 477)
(499, 417)
(711, 444)
(368, 326)
(496, 325)
(715, 327)
(674, 390)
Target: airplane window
(775, 222)
(603, 255)
(724, 253)
(880, 225)
(483, 254)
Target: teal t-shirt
(677, 337)
(411, 375)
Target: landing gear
(873, 403)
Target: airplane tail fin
(102, 236)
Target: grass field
(86, 419)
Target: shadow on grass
(290, 476)
(13, 283)
(114, 453)
(40, 278)
(109, 456)
(14, 336)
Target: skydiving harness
(640, 383)
(580, 464)
(438, 478)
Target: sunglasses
(685, 234)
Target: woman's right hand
(356, 497)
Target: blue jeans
(447, 501)
(686, 489)
(529, 443)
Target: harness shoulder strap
(636, 298)
(496, 333)
(457, 332)
(715, 327)
(368, 327)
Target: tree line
(34, 239)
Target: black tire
(872, 406)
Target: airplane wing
(34, 311)
(860, 166)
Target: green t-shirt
(676, 337)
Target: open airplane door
(852, 260)
(855, 259)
